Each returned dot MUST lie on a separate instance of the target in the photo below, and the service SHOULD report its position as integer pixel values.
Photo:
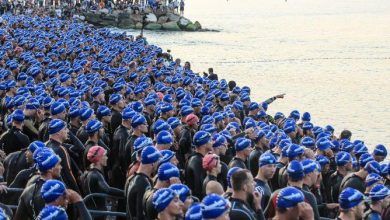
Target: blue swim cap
(380, 150)
(350, 198)
(267, 158)
(308, 142)
(18, 115)
(35, 145)
(307, 126)
(306, 116)
(150, 155)
(343, 158)
(141, 142)
(174, 122)
(166, 171)
(115, 98)
(128, 113)
(295, 170)
(295, 150)
(214, 206)
(167, 155)
(181, 190)
(309, 166)
(164, 137)
(56, 125)
(137, 120)
(194, 212)
(93, 126)
(379, 192)
(52, 190)
(289, 197)
(201, 138)
(219, 140)
(46, 159)
(324, 144)
(373, 167)
(57, 108)
(322, 160)
(364, 159)
(162, 198)
(52, 213)
(242, 144)
(372, 179)
(85, 113)
(102, 111)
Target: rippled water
(331, 58)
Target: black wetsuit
(185, 143)
(30, 202)
(263, 188)
(242, 211)
(254, 160)
(13, 164)
(118, 172)
(274, 182)
(135, 190)
(29, 128)
(93, 182)
(82, 134)
(195, 174)
(282, 177)
(205, 181)
(125, 153)
(116, 119)
(43, 130)
(13, 140)
(237, 162)
(23, 177)
(149, 209)
(66, 171)
(354, 181)
(222, 177)
(335, 179)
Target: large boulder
(173, 17)
(153, 26)
(171, 26)
(124, 15)
(136, 17)
(183, 22)
(162, 19)
(126, 24)
(138, 25)
(191, 27)
(198, 25)
(151, 18)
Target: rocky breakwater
(128, 19)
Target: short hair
(232, 84)
(211, 70)
(346, 134)
(239, 179)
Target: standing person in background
(181, 7)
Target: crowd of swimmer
(87, 110)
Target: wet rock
(171, 26)
(153, 26)
(151, 18)
(162, 19)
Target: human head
(287, 202)
(53, 212)
(166, 202)
(168, 173)
(351, 201)
(211, 164)
(243, 146)
(267, 165)
(242, 181)
(58, 130)
(54, 192)
(380, 195)
(48, 162)
(97, 155)
(202, 139)
(215, 207)
(184, 194)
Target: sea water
(330, 57)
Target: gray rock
(162, 19)
(183, 22)
(151, 18)
(171, 26)
(173, 17)
(153, 26)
